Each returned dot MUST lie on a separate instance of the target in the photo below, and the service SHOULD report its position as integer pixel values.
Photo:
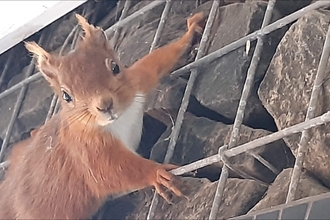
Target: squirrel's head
(90, 80)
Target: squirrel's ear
(45, 62)
(92, 34)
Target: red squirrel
(86, 152)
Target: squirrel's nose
(105, 106)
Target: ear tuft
(88, 28)
(38, 51)
(45, 62)
(92, 33)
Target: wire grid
(224, 151)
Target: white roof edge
(47, 16)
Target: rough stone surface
(286, 7)
(164, 102)
(286, 88)
(220, 83)
(277, 192)
(200, 193)
(289, 6)
(201, 137)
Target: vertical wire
(303, 143)
(240, 111)
(185, 100)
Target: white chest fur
(128, 127)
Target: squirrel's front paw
(165, 179)
(196, 22)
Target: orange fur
(75, 161)
(19, 147)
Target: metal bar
(136, 14)
(5, 69)
(185, 100)
(308, 210)
(4, 165)
(253, 36)
(210, 57)
(108, 17)
(17, 107)
(19, 85)
(159, 31)
(57, 106)
(278, 135)
(262, 160)
(161, 24)
(303, 143)
(122, 16)
(240, 111)
(320, 120)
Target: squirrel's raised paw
(196, 22)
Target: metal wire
(253, 36)
(185, 100)
(4, 165)
(240, 111)
(5, 69)
(278, 135)
(265, 162)
(161, 24)
(20, 85)
(155, 41)
(320, 120)
(122, 16)
(136, 14)
(17, 107)
(303, 143)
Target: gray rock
(61, 30)
(286, 88)
(220, 83)
(277, 192)
(197, 206)
(288, 6)
(33, 111)
(201, 137)
(164, 102)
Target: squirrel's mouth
(112, 117)
(109, 117)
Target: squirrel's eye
(114, 67)
(66, 97)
